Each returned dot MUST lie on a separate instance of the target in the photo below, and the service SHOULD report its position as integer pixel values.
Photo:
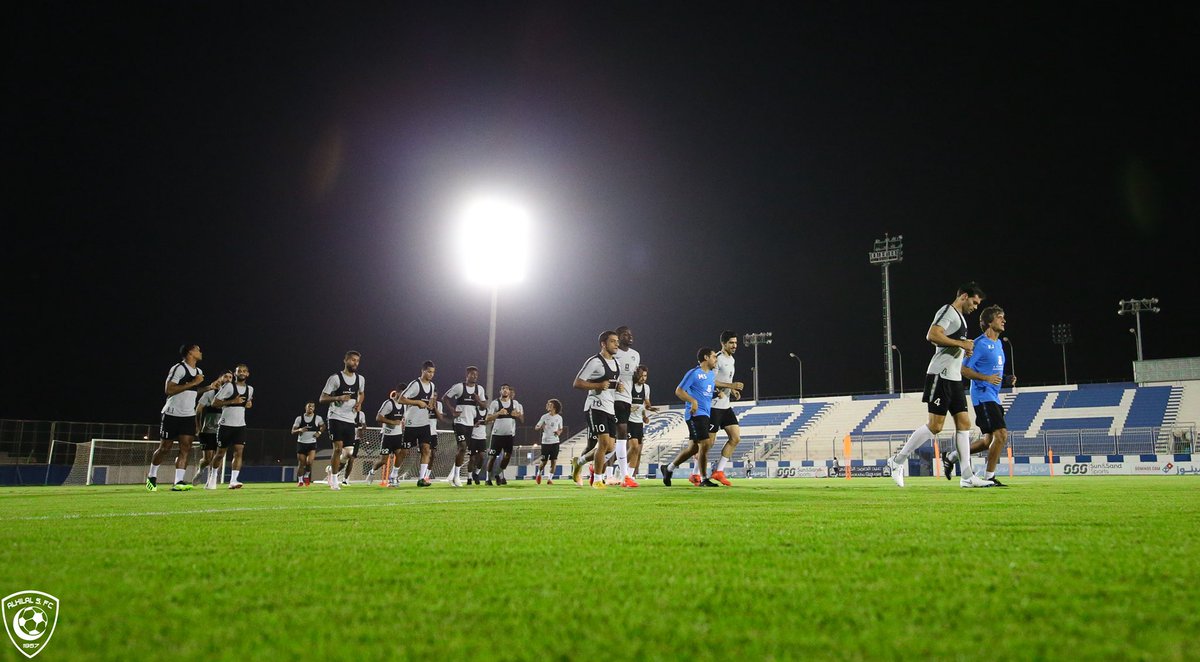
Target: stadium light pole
(801, 365)
(754, 340)
(1136, 307)
(1061, 335)
(494, 239)
(900, 360)
(887, 251)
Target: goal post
(120, 461)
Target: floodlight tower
(888, 251)
(1061, 335)
(1136, 307)
(754, 340)
(499, 230)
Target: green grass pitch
(1065, 567)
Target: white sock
(671, 466)
(722, 463)
(962, 439)
(989, 474)
(424, 468)
(608, 472)
(233, 475)
(915, 441)
(623, 457)
(153, 471)
(179, 475)
(395, 473)
(952, 455)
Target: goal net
(121, 462)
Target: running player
(234, 399)
(639, 416)
(184, 383)
(351, 452)
(985, 369)
(943, 385)
(391, 417)
(477, 446)
(208, 417)
(723, 417)
(600, 376)
(344, 393)
(464, 399)
(308, 427)
(628, 359)
(503, 413)
(420, 402)
(696, 389)
(551, 427)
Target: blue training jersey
(988, 359)
(698, 383)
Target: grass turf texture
(1068, 567)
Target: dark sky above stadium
(276, 181)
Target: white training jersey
(311, 425)
(480, 429)
(394, 411)
(505, 426)
(338, 384)
(234, 416)
(465, 409)
(182, 403)
(637, 410)
(627, 360)
(724, 374)
(550, 423)
(947, 361)
(417, 416)
(598, 369)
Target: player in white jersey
(308, 427)
(208, 418)
(391, 417)
(943, 385)
(551, 427)
(351, 451)
(234, 399)
(344, 392)
(464, 399)
(628, 359)
(477, 446)
(600, 376)
(184, 382)
(639, 416)
(420, 402)
(503, 413)
(723, 417)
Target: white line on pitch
(244, 509)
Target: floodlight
(494, 237)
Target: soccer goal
(121, 461)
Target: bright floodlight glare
(494, 238)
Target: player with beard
(420, 404)
(208, 417)
(351, 452)
(985, 369)
(551, 427)
(628, 359)
(391, 417)
(503, 413)
(308, 427)
(344, 392)
(464, 399)
(723, 417)
(639, 416)
(234, 399)
(600, 376)
(696, 390)
(943, 385)
(183, 385)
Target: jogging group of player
(617, 407)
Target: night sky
(277, 183)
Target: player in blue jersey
(696, 390)
(985, 369)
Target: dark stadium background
(275, 182)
